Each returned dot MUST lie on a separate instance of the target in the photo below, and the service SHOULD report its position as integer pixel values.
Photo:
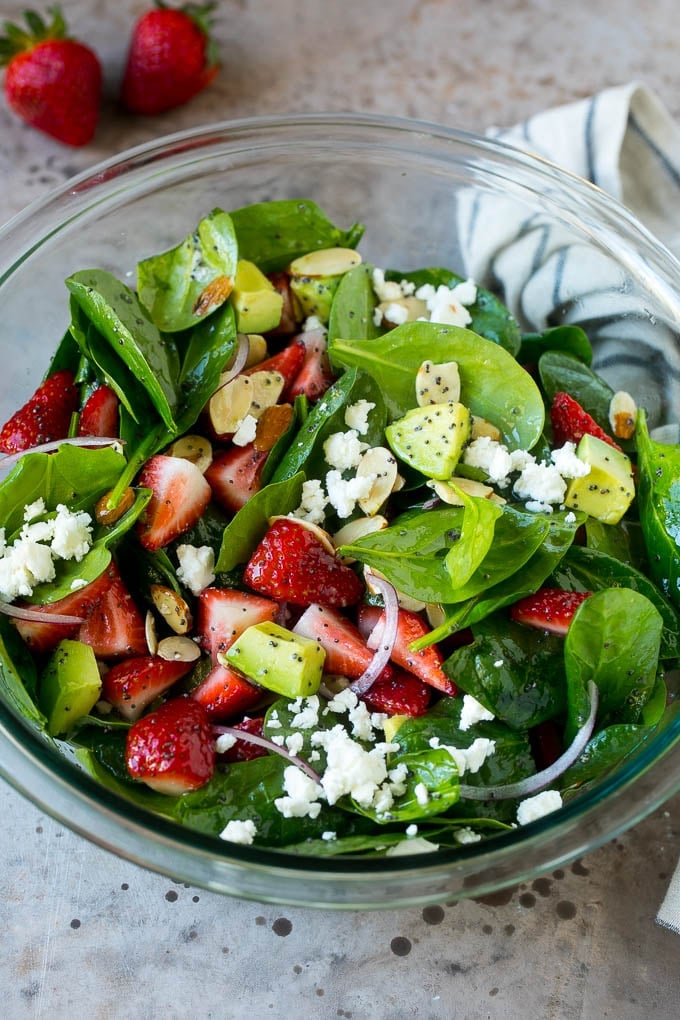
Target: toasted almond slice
(229, 405)
(447, 492)
(399, 483)
(482, 427)
(215, 294)
(405, 601)
(257, 349)
(413, 307)
(271, 425)
(178, 649)
(322, 535)
(357, 529)
(622, 415)
(172, 607)
(326, 262)
(438, 384)
(197, 449)
(105, 515)
(382, 463)
(435, 614)
(267, 388)
(150, 631)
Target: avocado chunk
(70, 685)
(255, 300)
(313, 295)
(608, 489)
(277, 659)
(431, 438)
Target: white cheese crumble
(343, 450)
(473, 711)
(313, 324)
(492, 457)
(313, 502)
(411, 831)
(34, 509)
(386, 290)
(466, 835)
(447, 305)
(224, 742)
(306, 712)
(395, 314)
(540, 484)
(295, 742)
(536, 807)
(196, 567)
(567, 463)
(246, 431)
(422, 794)
(358, 714)
(329, 836)
(29, 561)
(343, 495)
(356, 416)
(239, 832)
(72, 534)
(303, 794)
(467, 759)
(350, 768)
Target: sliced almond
(272, 424)
(257, 349)
(382, 463)
(267, 388)
(435, 614)
(447, 492)
(178, 649)
(150, 631)
(358, 529)
(413, 307)
(322, 535)
(109, 515)
(229, 405)
(197, 449)
(172, 607)
(212, 296)
(438, 384)
(325, 262)
(622, 415)
(405, 601)
(399, 483)
(482, 427)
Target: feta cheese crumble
(356, 416)
(30, 559)
(313, 502)
(533, 808)
(196, 567)
(343, 450)
(72, 534)
(473, 712)
(466, 836)
(302, 800)
(344, 494)
(239, 832)
(447, 305)
(246, 431)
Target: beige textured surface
(86, 933)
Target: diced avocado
(608, 490)
(314, 295)
(277, 659)
(431, 438)
(392, 726)
(256, 302)
(70, 685)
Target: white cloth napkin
(624, 141)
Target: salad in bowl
(306, 553)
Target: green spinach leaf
(248, 526)
(659, 500)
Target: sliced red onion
(239, 362)
(385, 639)
(532, 784)
(10, 459)
(255, 738)
(34, 616)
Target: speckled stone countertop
(87, 933)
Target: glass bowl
(428, 196)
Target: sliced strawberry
(224, 613)
(114, 627)
(180, 497)
(426, 664)
(99, 416)
(172, 750)
(550, 609)
(235, 475)
(546, 743)
(43, 637)
(288, 362)
(315, 376)
(570, 422)
(347, 654)
(224, 694)
(43, 418)
(244, 750)
(398, 694)
(288, 322)
(292, 564)
(131, 685)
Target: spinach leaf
(493, 385)
(614, 640)
(490, 317)
(18, 677)
(659, 502)
(433, 769)
(353, 305)
(604, 751)
(209, 349)
(66, 356)
(248, 526)
(272, 234)
(120, 318)
(563, 339)
(563, 372)
(623, 541)
(589, 570)
(521, 680)
(476, 535)
(180, 287)
(88, 569)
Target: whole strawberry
(171, 58)
(52, 81)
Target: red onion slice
(255, 738)
(537, 782)
(239, 362)
(385, 638)
(10, 459)
(34, 616)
